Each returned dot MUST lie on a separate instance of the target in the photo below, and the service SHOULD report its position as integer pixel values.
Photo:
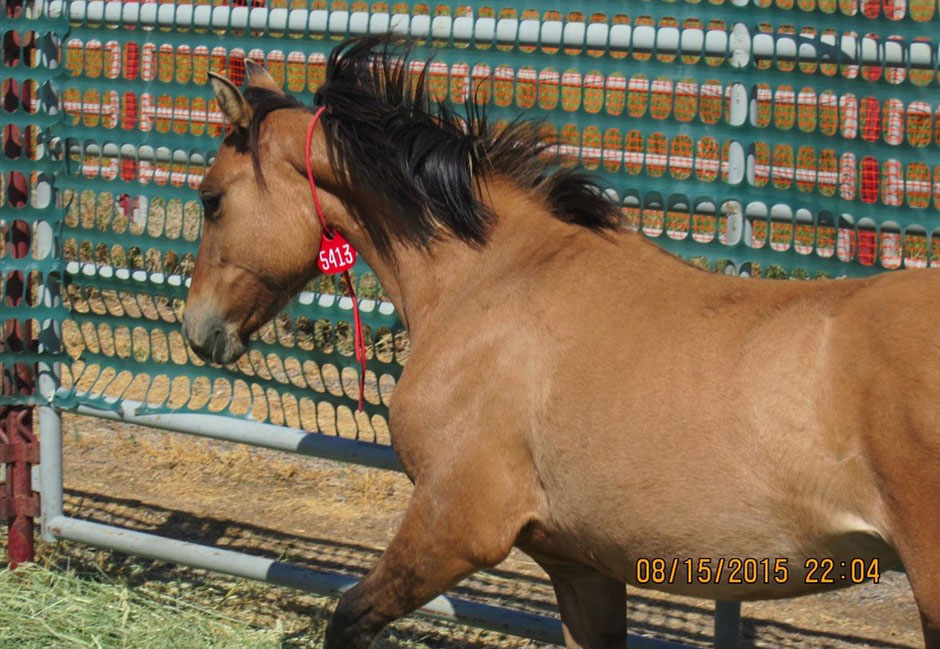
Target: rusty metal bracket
(19, 452)
(27, 506)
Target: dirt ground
(338, 517)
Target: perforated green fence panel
(30, 213)
(767, 137)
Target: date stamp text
(741, 570)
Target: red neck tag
(336, 255)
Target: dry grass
(76, 597)
(41, 608)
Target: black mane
(384, 133)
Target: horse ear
(258, 77)
(231, 102)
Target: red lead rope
(337, 256)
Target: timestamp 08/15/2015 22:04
(738, 570)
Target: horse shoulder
(461, 387)
(463, 441)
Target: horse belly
(694, 548)
(707, 506)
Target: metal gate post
(727, 625)
(50, 468)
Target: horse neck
(419, 281)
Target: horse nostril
(213, 337)
(215, 345)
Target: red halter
(337, 256)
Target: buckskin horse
(573, 390)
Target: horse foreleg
(426, 557)
(593, 606)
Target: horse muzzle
(211, 338)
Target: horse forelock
(422, 160)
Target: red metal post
(19, 450)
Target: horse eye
(210, 204)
